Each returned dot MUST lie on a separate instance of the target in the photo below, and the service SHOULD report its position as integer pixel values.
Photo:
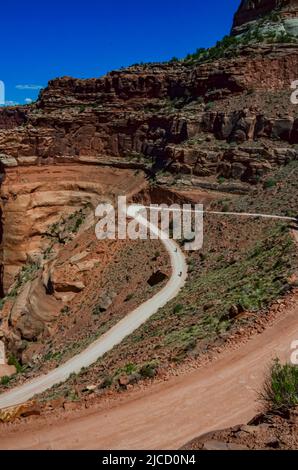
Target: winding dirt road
(115, 335)
(167, 415)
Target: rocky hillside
(220, 112)
(250, 12)
(275, 428)
(264, 432)
(220, 119)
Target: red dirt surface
(220, 394)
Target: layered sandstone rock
(210, 119)
(251, 11)
(50, 212)
(84, 140)
(35, 198)
(130, 117)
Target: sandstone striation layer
(250, 11)
(228, 117)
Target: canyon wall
(251, 11)
(138, 113)
(226, 118)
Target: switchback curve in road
(116, 334)
(167, 415)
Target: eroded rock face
(250, 10)
(85, 139)
(253, 10)
(42, 269)
(129, 118)
(2, 353)
(33, 310)
(36, 198)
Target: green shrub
(148, 370)
(5, 380)
(13, 361)
(209, 105)
(280, 391)
(221, 179)
(128, 297)
(178, 308)
(270, 183)
(65, 310)
(106, 382)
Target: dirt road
(169, 414)
(115, 335)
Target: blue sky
(44, 40)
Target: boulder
(87, 265)
(219, 445)
(282, 128)
(105, 301)
(8, 161)
(68, 285)
(10, 414)
(32, 310)
(78, 257)
(6, 370)
(123, 380)
(157, 278)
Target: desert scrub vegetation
(129, 373)
(229, 46)
(12, 361)
(27, 273)
(222, 293)
(223, 288)
(280, 389)
(64, 229)
(276, 194)
(244, 266)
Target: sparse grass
(280, 390)
(270, 183)
(52, 356)
(244, 266)
(64, 229)
(5, 380)
(27, 273)
(13, 361)
(229, 46)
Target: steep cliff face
(254, 10)
(230, 117)
(49, 253)
(137, 115)
(36, 198)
